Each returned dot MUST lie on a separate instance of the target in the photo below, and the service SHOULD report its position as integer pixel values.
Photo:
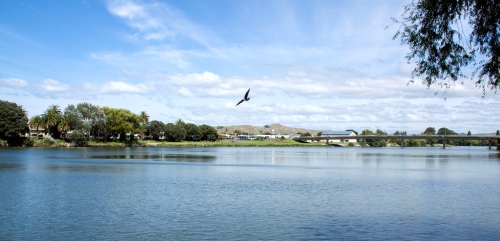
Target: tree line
(79, 122)
(422, 142)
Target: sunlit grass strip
(239, 143)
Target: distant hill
(257, 130)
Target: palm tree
(145, 116)
(51, 116)
(55, 109)
(63, 125)
(36, 121)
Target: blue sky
(314, 64)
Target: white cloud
(53, 85)
(206, 78)
(14, 82)
(156, 20)
(118, 87)
(185, 92)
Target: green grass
(239, 143)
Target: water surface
(285, 193)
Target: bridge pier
(489, 145)
(363, 143)
(327, 142)
(402, 143)
(444, 143)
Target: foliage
(36, 122)
(429, 131)
(375, 142)
(175, 132)
(144, 116)
(304, 134)
(156, 129)
(48, 141)
(445, 131)
(13, 121)
(78, 138)
(51, 117)
(193, 132)
(122, 121)
(29, 141)
(72, 115)
(350, 144)
(208, 133)
(435, 34)
(63, 125)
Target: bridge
(401, 138)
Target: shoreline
(239, 143)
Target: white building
(339, 133)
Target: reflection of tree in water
(158, 157)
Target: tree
(193, 132)
(64, 125)
(37, 122)
(122, 121)
(445, 131)
(375, 142)
(85, 114)
(429, 131)
(145, 116)
(71, 114)
(13, 122)
(51, 117)
(434, 32)
(156, 129)
(469, 133)
(175, 132)
(208, 133)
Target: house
(339, 133)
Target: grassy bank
(239, 143)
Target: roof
(336, 133)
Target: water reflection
(11, 166)
(152, 157)
(89, 169)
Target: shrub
(29, 141)
(78, 138)
(48, 141)
(350, 144)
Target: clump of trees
(13, 123)
(421, 142)
(375, 142)
(78, 123)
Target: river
(250, 193)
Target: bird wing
(246, 95)
(240, 102)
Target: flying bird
(244, 98)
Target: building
(339, 133)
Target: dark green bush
(78, 138)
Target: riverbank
(151, 143)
